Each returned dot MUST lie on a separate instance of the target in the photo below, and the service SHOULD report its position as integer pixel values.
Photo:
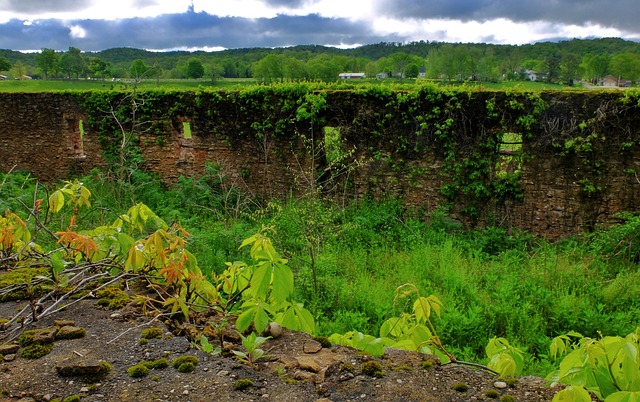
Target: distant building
(350, 76)
(3, 77)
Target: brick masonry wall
(41, 133)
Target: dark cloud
(39, 6)
(621, 14)
(191, 29)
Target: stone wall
(577, 162)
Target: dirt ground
(296, 368)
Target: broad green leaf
(624, 396)
(244, 319)
(297, 318)
(572, 394)
(282, 285)
(261, 280)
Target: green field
(237, 83)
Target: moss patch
(20, 278)
(36, 350)
(185, 364)
(151, 333)
(112, 297)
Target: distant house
(611, 81)
(534, 75)
(3, 77)
(422, 73)
(382, 75)
(351, 76)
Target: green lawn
(124, 84)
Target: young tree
(595, 66)
(19, 70)
(47, 60)
(214, 72)
(269, 68)
(195, 69)
(412, 71)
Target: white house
(349, 76)
(3, 77)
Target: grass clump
(185, 364)
(243, 384)
(460, 387)
(151, 333)
(138, 371)
(372, 368)
(157, 364)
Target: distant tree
(19, 70)
(294, 69)
(214, 72)
(47, 60)
(595, 66)
(4, 64)
(323, 67)
(98, 68)
(195, 69)
(551, 66)
(138, 69)
(269, 68)
(72, 62)
(412, 71)
(626, 66)
(569, 68)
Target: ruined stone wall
(577, 164)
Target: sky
(94, 25)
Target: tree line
(561, 62)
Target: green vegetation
(242, 384)
(556, 64)
(185, 364)
(378, 270)
(150, 333)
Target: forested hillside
(551, 61)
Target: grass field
(237, 83)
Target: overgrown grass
(349, 262)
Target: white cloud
(77, 32)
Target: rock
(312, 347)
(9, 358)
(304, 376)
(81, 368)
(84, 389)
(9, 349)
(500, 384)
(308, 364)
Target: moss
(186, 367)
(460, 387)
(372, 368)
(36, 350)
(428, 363)
(69, 332)
(491, 393)
(72, 398)
(243, 384)
(511, 381)
(180, 360)
(138, 371)
(151, 333)
(157, 364)
(22, 276)
(507, 398)
(112, 297)
(143, 341)
(323, 340)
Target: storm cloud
(150, 24)
(188, 30)
(620, 14)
